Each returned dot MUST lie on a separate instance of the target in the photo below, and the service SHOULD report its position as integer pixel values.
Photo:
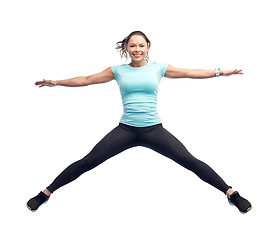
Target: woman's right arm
(102, 77)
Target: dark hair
(123, 44)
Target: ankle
(229, 192)
(47, 192)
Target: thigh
(116, 141)
(165, 143)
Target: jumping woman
(140, 124)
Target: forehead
(137, 39)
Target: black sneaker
(34, 203)
(241, 203)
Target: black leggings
(154, 137)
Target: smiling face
(137, 48)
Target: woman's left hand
(230, 72)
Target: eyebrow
(140, 43)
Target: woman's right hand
(47, 83)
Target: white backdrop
(230, 123)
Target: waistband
(139, 128)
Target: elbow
(84, 81)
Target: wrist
(218, 72)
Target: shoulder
(117, 70)
(118, 66)
(160, 66)
(157, 63)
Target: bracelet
(217, 72)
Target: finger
(43, 84)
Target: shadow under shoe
(34, 203)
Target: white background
(230, 123)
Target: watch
(217, 72)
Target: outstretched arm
(173, 72)
(102, 77)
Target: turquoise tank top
(139, 88)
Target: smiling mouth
(137, 55)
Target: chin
(137, 59)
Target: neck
(138, 64)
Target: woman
(140, 124)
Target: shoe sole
(32, 210)
(247, 210)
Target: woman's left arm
(173, 72)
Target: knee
(88, 163)
(190, 162)
(92, 160)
